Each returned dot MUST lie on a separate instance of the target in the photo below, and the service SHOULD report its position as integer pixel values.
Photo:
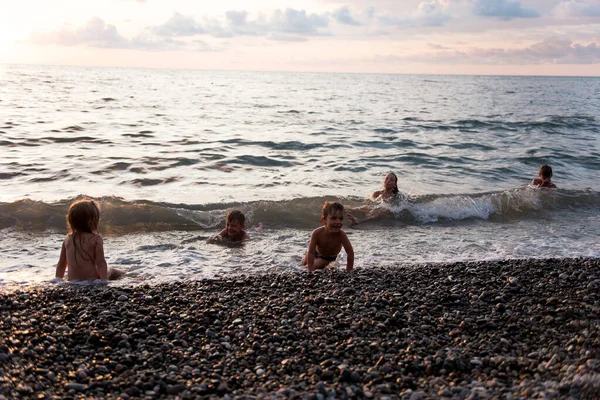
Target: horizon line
(299, 71)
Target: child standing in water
(326, 242)
(545, 179)
(82, 250)
(234, 228)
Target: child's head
(545, 171)
(332, 215)
(234, 222)
(391, 182)
(83, 216)
(331, 207)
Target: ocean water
(168, 152)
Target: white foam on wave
(453, 208)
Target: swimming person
(545, 179)
(390, 187)
(234, 228)
(82, 252)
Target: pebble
(381, 333)
(78, 387)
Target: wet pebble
(467, 330)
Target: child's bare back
(84, 255)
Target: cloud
(574, 9)
(237, 17)
(298, 22)
(179, 25)
(281, 37)
(437, 46)
(552, 50)
(503, 9)
(432, 13)
(95, 33)
(343, 16)
(280, 24)
(149, 42)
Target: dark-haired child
(327, 241)
(234, 228)
(545, 179)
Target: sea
(168, 152)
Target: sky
(499, 37)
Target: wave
(547, 123)
(120, 216)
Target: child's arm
(310, 254)
(101, 266)
(61, 267)
(376, 194)
(349, 251)
(352, 218)
(219, 237)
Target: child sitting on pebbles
(83, 249)
(326, 242)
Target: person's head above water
(390, 182)
(545, 179)
(545, 171)
(235, 222)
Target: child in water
(390, 187)
(234, 228)
(82, 250)
(326, 242)
(545, 179)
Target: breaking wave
(121, 216)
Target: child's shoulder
(86, 236)
(318, 230)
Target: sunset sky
(520, 37)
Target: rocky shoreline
(506, 329)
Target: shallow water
(167, 152)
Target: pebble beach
(505, 329)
